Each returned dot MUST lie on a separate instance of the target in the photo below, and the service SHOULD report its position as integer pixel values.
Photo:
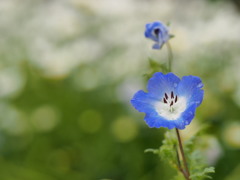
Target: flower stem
(170, 56)
(186, 172)
(180, 166)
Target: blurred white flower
(12, 82)
(12, 120)
(45, 118)
(57, 36)
(213, 151)
(231, 134)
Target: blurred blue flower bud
(157, 32)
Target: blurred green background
(68, 69)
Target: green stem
(184, 171)
(170, 56)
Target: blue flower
(170, 102)
(157, 32)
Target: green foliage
(168, 149)
(179, 176)
(203, 174)
(167, 152)
(154, 151)
(195, 159)
(155, 66)
(171, 36)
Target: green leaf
(155, 67)
(168, 149)
(204, 173)
(171, 36)
(154, 151)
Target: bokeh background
(68, 69)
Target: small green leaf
(156, 66)
(204, 173)
(168, 149)
(154, 151)
(171, 36)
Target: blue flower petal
(157, 32)
(162, 83)
(149, 33)
(190, 87)
(154, 120)
(186, 117)
(144, 102)
(188, 90)
(157, 46)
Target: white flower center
(171, 107)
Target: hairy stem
(186, 172)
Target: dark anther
(166, 96)
(156, 31)
(171, 103)
(172, 95)
(164, 100)
(176, 98)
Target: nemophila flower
(158, 32)
(170, 102)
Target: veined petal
(186, 117)
(144, 102)
(161, 83)
(190, 87)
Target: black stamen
(171, 103)
(156, 31)
(164, 100)
(172, 95)
(166, 96)
(176, 98)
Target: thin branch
(170, 56)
